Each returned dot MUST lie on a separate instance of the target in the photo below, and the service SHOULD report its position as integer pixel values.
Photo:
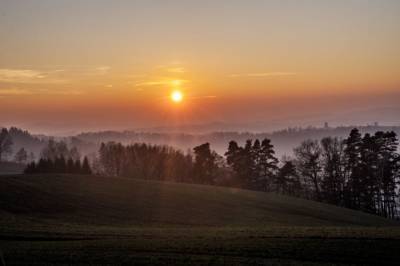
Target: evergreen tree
(5, 144)
(268, 164)
(235, 160)
(60, 165)
(368, 173)
(387, 171)
(352, 153)
(287, 180)
(77, 167)
(205, 164)
(70, 166)
(86, 170)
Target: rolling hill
(71, 219)
(94, 200)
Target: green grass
(66, 219)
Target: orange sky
(82, 65)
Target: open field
(65, 219)
(11, 168)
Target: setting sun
(176, 96)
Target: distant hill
(24, 139)
(93, 200)
(283, 140)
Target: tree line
(60, 166)
(358, 172)
(56, 157)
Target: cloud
(204, 97)
(21, 92)
(176, 70)
(163, 82)
(15, 92)
(264, 74)
(102, 70)
(20, 75)
(8, 75)
(57, 75)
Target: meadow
(74, 219)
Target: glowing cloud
(264, 74)
(20, 75)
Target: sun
(176, 96)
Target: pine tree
(86, 170)
(235, 159)
(70, 166)
(205, 164)
(287, 180)
(353, 176)
(77, 167)
(268, 164)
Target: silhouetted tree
(287, 180)
(70, 166)
(333, 181)
(5, 144)
(112, 158)
(308, 161)
(60, 165)
(86, 167)
(254, 164)
(30, 168)
(352, 153)
(386, 173)
(235, 159)
(21, 156)
(77, 167)
(204, 164)
(267, 164)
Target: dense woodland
(358, 172)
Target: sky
(69, 65)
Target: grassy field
(11, 168)
(62, 219)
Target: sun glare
(176, 96)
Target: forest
(360, 172)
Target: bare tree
(21, 156)
(308, 160)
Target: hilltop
(98, 200)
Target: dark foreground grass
(64, 220)
(205, 246)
